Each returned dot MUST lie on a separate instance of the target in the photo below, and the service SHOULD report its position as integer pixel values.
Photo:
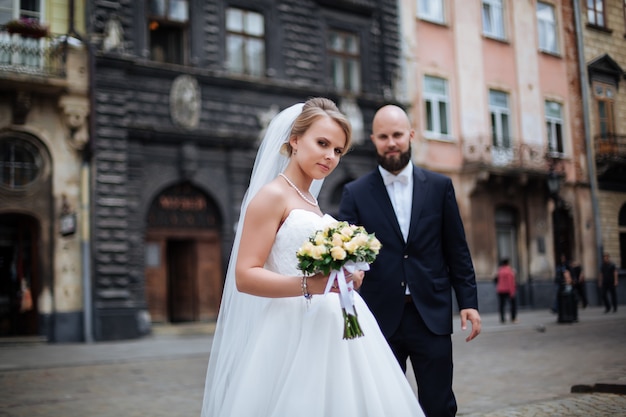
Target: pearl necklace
(305, 198)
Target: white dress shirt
(400, 190)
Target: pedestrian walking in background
(559, 281)
(608, 283)
(506, 288)
(568, 301)
(578, 282)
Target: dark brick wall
(137, 146)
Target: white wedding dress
(297, 364)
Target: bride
(277, 351)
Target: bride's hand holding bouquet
(339, 248)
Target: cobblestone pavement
(511, 370)
(528, 369)
(582, 405)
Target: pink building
(494, 94)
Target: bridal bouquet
(338, 247)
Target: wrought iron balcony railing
(610, 146)
(517, 156)
(32, 56)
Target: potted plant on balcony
(27, 27)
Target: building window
(430, 10)
(20, 163)
(595, 12)
(245, 42)
(500, 119)
(554, 125)
(345, 61)
(168, 22)
(436, 106)
(19, 9)
(604, 95)
(493, 19)
(546, 21)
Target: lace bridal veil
(239, 312)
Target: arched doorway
(183, 256)
(25, 224)
(506, 235)
(563, 231)
(19, 274)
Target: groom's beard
(392, 163)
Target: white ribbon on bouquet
(346, 294)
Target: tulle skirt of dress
(298, 364)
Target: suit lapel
(382, 200)
(420, 191)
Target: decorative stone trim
(185, 102)
(75, 111)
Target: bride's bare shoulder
(270, 198)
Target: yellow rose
(361, 239)
(317, 251)
(375, 245)
(347, 231)
(337, 239)
(306, 249)
(350, 246)
(319, 238)
(338, 253)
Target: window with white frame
(493, 18)
(546, 22)
(168, 21)
(430, 10)
(19, 9)
(554, 126)
(344, 55)
(245, 42)
(595, 12)
(436, 106)
(500, 119)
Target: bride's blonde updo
(313, 109)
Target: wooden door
(181, 277)
(156, 279)
(210, 279)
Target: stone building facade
(603, 36)
(44, 186)
(182, 94)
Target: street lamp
(554, 185)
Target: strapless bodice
(295, 230)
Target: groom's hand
(472, 315)
(356, 277)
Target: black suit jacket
(434, 260)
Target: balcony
(610, 149)
(610, 146)
(32, 61)
(522, 158)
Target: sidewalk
(542, 368)
(510, 370)
(165, 341)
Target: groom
(424, 255)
